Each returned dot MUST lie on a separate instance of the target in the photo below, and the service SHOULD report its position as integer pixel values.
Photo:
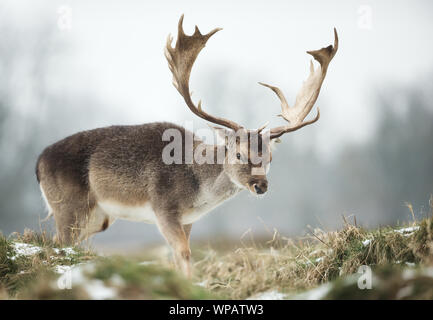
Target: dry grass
(294, 265)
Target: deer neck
(216, 184)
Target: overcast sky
(116, 52)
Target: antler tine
(262, 127)
(180, 59)
(279, 93)
(308, 94)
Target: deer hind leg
(71, 219)
(78, 222)
(57, 205)
(174, 233)
(75, 211)
(67, 226)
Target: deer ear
(274, 143)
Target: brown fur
(124, 164)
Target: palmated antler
(308, 94)
(180, 59)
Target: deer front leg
(187, 229)
(173, 231)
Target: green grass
(18, 270)
(34, 276)
(123, 278)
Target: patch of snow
(97, 290)
(76, 268)
(24, 249)
(77, 275)
(366, 242)
(320, 259)
(404, 292)
(315, 294)
(407, 231)
(408, 274)
(68, 251)
(76, 271)
(268, 295)
(147, 263)
(410, 264)
(62, 269)
(201, 284)
(117, 280)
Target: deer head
(248, 151)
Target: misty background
(77, 65)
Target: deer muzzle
(259, 186)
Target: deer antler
(308, 94)
(180, 59)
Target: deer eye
(238, 155)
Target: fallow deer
(90, 179)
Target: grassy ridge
(293, 266)
(24, 258)
(33, 267)
(326, 262)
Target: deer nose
(261, 187)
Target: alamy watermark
(65, 280)
(64, 18)
(365, 17)
(366, 278)
(240, 147)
